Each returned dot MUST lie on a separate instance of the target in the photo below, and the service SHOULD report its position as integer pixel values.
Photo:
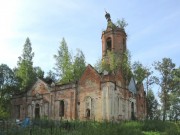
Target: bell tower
(113, 38)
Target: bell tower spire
(113, 38)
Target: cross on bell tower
(113, 38)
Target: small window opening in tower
(124, 44)
(109, 44)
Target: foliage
(122, 23)
(98, 66)
(126, 65)
(139, 71)
(79, 64)
(165, 128)
(4, 113)
(152, 105)
(151, 133)
(114, 62)
(165, 68)
(25, 71)
(111, 62)
(64, 63)
(66, 69)
(39, 72)
(50, 77)
(8, 86)
(49, 127)
(174, 112)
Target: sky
(153, 28)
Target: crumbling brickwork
(95, 96)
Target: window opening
(132, 111)
(18, 111)
(88, 113)
(61, 108)
(109, 44)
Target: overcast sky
(153, 28)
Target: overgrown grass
(165, 128)
(49, 127)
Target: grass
(49, 127)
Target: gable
(40, 87)
(89, 76)
(132, 86)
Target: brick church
(95, 96)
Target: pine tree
(67, 68)
(64, 67)
(25, 71)
(79, 64)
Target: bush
(154, 125)
(165, 128)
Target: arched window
(88, 113)
(61, 108)
(109, 44)
(132, 107)
(88, 107)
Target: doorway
(37, 111)
(88, 114)
(132, 111)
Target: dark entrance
(132, 111)
(109, 44)
(37, 111)
(61, 108)
(88, 113)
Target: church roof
(110, 23)
(132, 86)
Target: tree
(122, 23)
(112, 62)
(25, 71)
(143, 74)
(176, 80)
(152, 105)
(6, 76)
(139, 71)
(39, 72)
(51, 77)
(115, 62)
(67, 68)
(64, 67)
(8, 87)
(98, 66)
(174, 112)
(165, 68)
(7, 82)
(175, 95)
(79, 64)
(126, 65)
